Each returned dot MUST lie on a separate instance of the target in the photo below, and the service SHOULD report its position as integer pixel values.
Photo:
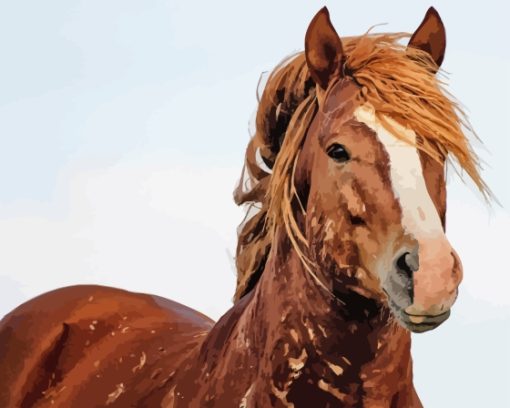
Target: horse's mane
(399, 82)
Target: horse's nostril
(356, 220)
(407, 263)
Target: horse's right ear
(323, 50)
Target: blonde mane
(399, 82)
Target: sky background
(123, 126)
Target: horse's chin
(418, 323)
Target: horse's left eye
(338, 153)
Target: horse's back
(94, 346)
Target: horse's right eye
(338, 153)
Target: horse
(344, 253)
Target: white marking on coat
(419, 215)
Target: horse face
(376, 204)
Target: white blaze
(419, 215)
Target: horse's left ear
(430, 36)
(323, 50)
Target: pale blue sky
(123, 126)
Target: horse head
(371, 186)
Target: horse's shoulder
(90, 335)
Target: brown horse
(345, 255)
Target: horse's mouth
(418, 323)
(423, 323)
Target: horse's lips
(416, 323)
(417, 319)
(422, 323)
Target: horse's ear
(430, 36)
(323, 49)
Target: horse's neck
(289, 342)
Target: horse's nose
(436, 280)
(399, 283)
(407, 263)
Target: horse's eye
(338, 153)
